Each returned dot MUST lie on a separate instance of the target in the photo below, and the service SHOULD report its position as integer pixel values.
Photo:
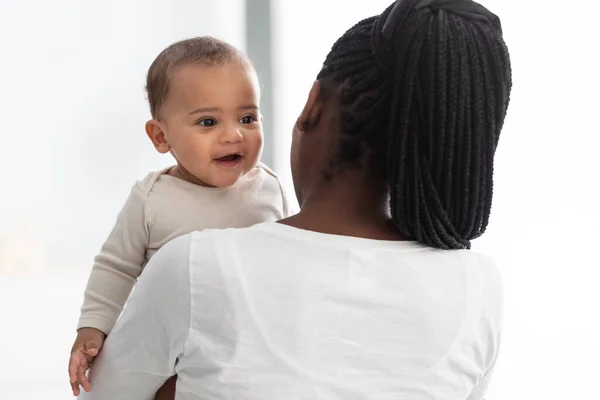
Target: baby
(204, 97)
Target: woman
(369, 292)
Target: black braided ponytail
(424, 89)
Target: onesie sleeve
(290, 205)
(118, 265)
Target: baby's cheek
(257, 144)
(200, 152)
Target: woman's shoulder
(208, 237)
(481, 265)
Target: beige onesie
(160, 208)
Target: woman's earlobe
(312, 109)
(302, 124)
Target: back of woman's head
(424, 89)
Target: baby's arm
(117, 266)
(146, 346)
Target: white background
(72, 109)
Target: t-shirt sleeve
(142, 351)
(481, 388)
(117, 266)
(495, 296)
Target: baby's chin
(224, 180)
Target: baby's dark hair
(424, 89)
(205, 50)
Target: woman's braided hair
(424, 89)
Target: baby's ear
(156, 133)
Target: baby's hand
(86, 347)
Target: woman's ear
(155, 131)
(312, 109)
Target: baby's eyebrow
(248, 107)
(217, 109)
(205, 109)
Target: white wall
(72, 107)
(545, 221)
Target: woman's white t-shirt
(275, 312)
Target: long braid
(427, 98)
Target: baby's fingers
(75, 361)
(91, 352)
(74, 364)
(83, 380)
(75, 388)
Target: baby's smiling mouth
(230, 157)
(230, 160)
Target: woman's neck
(347, 209)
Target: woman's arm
(140, 353)
(167, 391)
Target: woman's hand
(87, 345)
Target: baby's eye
(207, 122)
(248, 119)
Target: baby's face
(212, 122)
